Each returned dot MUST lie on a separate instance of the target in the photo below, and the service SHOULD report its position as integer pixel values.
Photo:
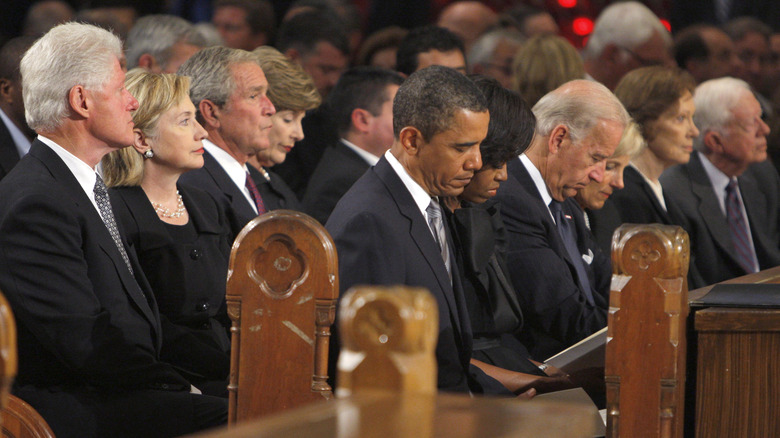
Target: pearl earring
(149, 153)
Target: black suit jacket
(187, 277)
(338, 169)
(275, 193)
(557, 313)
(382, 238)
(603, 223)
(711, 246)
(213, 179)
(9, 156)
(88, 330)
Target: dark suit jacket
(275, 193)
(338, 169)
(636, 203)
(711, 246)
(213, 179)
(557, 313)
(187, 277)
(88, 331)
(603, 223)
(383, 239)
(9, 156)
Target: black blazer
(712, 249)
(557, 313)
(603, 223)
(338, 169)
(213, 179)
(275, 193)
(382, 238)
(9, 155)
(88, 331)
(188, 278)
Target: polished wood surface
(388, 337)
(282, 288)
(20, 420)
(645, 352)
(389, 415)
(8, 355)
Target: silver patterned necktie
(104, 205)
(437, 228)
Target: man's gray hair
(715, 100)
(209, 72)
(626, 25)
(429, 99)
(482, 50)
(68, 55)
(579, 105)
(156, 35)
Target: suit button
(203, 307)
(195, 254)
(164, 386)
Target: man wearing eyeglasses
(626, 36)
(727, 192)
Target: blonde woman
(544, 63)
(178, 232)
(292, 92)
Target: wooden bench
(282, 288)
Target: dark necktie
(569, 236)
(250, 185)
(104, 205)
(437, 228)
(738, 228)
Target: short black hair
(429, 99)
(689, 45)
(424, 39)
(303, 31)
(512, 123)
(359, 87)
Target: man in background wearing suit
(15, 135)
(87, 322)
(561, 276)
(361, 106)
(229, 89)
(728, 193)
(388, 227)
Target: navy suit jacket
(338, 169)
(557, 313)
(382, 238)
(712, 250)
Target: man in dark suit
(388, 228)
(728, 195)
(563, 290)
(361, 106)
(229, 89)
(15, 136)
(87, 322)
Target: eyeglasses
(644, 61)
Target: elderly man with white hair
(626, 35)
(727, 192)
(87, 321)
(550, 255)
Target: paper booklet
(588, 353)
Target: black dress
(186, 266)
(479, 237)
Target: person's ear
(714, 142)
(557, 138)
(147, 62)
(361, 120)
(140, 141)
(209, 112)
(411, 139)
(78, 100)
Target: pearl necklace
(166, 213)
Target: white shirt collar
(21, 142)
(420, 196)
(84, 174)
(235, 170)
(655, 186)
(538, 180)
(370, 158)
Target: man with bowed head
(87, 322)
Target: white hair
(579, 105)
(482, 50)
(624, 24)
(68, 55)
(156, 35)
(715, 100)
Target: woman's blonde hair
(544, 63)
(289, 86)
(631, 143)
(156, 94)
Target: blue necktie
(569, 236)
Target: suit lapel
(756, 207)
(237, 199)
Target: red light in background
(582, 26)
(567, 3)
(666, 24)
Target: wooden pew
(282, 288)
(387, 385)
